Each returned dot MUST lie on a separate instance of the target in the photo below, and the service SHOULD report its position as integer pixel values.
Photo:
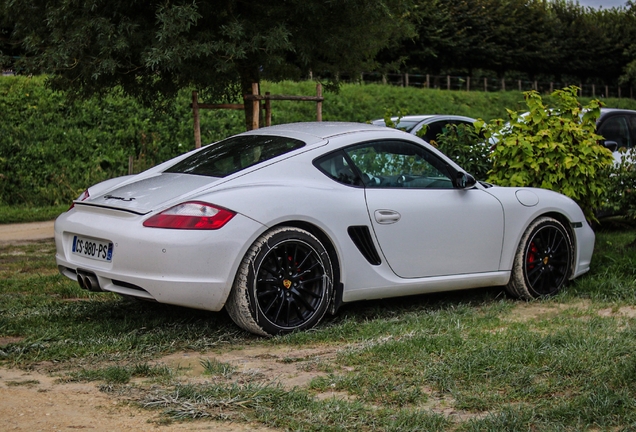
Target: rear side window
(235, 154)
(336, 166)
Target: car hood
(146, 194)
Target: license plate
(91, 248)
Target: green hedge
(51, 147)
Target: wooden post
(485, 84)
(268, 110)
(468, 84)
(197, 122)
(593, 90)
(551, 87)
(536, 87)
(519, 84)
(319, 103)
(606, 91)
(406, 80)
(428, 81)
(256, 112)
(130, 165)
(447, 82)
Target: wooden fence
(466, 83)
(257, 106)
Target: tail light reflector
(84, 195)
(193, 215)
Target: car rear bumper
(181, 267)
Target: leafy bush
(553, 148)
(466, 146)
(52, 147)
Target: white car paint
(443, 239)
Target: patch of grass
(289, 409)
(119, 374)
(465, 361)
(24, 214)
(215, 367)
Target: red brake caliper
(532, 257)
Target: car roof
(616, 111)
(422, 117)
(317, 130)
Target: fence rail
(466, 83)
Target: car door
(423, 224)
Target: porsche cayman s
(283, 224)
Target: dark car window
(435, 129)
(631, 120)
(336, 166)
(399, 164)
(407, 125)
(439, 127)
(234, 154)
(616, 129)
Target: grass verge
(24, 214)
(465, 361)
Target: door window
(399, 164)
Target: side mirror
(464, 181)
(611, 145)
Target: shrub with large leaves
(465, 145)
(554, 148)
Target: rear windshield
(234, 154)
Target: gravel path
(12, 233)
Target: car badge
(287, 283)
(118, 198)
(545, 260)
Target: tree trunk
(249, 74)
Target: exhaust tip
(81, 281)
(88, 281)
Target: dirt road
(33, 401)
(17, 233)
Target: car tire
(543, 261)
(283, 284)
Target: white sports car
(282, 224)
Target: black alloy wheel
(290, 284)
(284, 283)
(547, 260)
(543, 262)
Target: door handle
(386, 216)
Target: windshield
(234, 154)
(407, 125)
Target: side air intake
(362, 239)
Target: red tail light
(82, 197)
(194, 215)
